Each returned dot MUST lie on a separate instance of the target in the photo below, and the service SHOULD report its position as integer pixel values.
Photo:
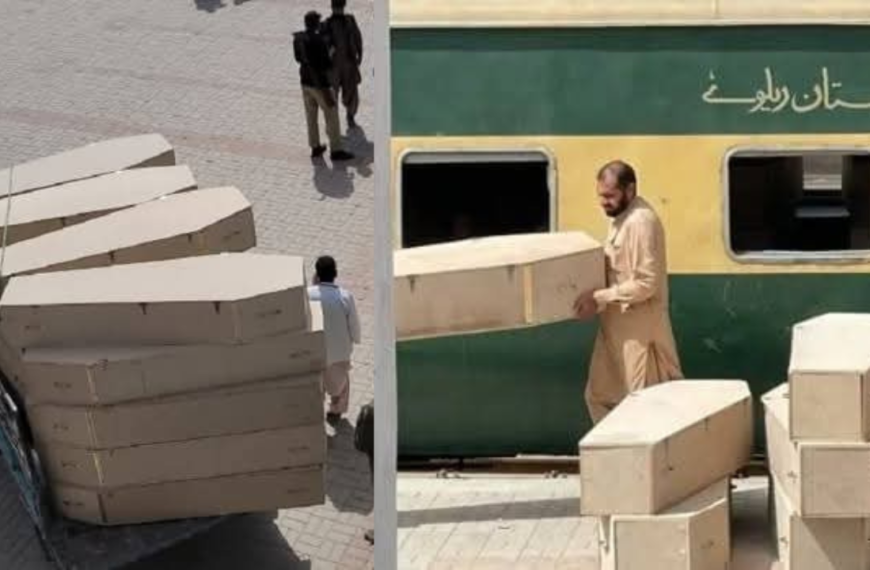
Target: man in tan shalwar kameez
(346, 42)
(635, 346)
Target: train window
(448, 196)
(798, 205)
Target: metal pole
(385, 355)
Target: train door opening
(448, 196)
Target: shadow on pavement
(752, 528)
(209, 5)
(246, 541)
(514, 510)
(364, 149)
(335, 179)
(348, 479)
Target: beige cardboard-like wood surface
(817, 544)
(107, 375)
(693, 535)
(273, 404)
(242, 493)
(11, 364)
(493, 283)
(834, 479)
(829, 406)
(222, 299)
(94, 159)
(51, 209)
(198, 222)
(821, 479)
(783, 456)
(182, 460)
(829, 372)
(663, 444)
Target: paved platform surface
(478, 522)
(217, 78)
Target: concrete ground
(523, 522)
(217, 78)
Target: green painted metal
(504, 393)
(495, 393)
(463, 82)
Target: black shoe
(341, 155)
(370, 536)
(332, 418)
(318, 151)
(351, 123)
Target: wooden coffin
(829, 378)
(663, 444)
(214, 299)
(821, 478)
(493, 283)
(693, 535)
(231, 494)
(111, 375)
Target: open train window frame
(453, 155)
(776, 256)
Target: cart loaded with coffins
(156, 377)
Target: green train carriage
(750, 133)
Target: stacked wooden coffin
(167, 373)
(493, 283)
(656, 473)
(818, 443)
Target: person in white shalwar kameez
(342, 330)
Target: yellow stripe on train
(684, 177)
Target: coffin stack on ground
(493, 283)
(818, 448)
(163, 377)
(656, 472)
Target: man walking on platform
(345, 40)
(342, 330)
(315, 67)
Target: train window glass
(798, 203)
(447, 196)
